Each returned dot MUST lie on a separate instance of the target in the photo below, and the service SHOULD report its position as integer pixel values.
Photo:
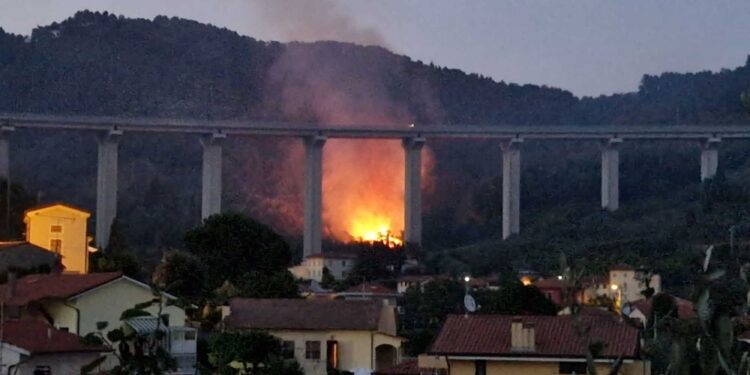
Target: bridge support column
(611, 174)
(5, 152)
(313, 231)
(413, 190)
(511, 186)
(710, 158)
(212, 174)
(106, 186)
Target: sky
(590, 47)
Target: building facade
(61, 229)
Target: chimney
(522, 335)
(11, 290)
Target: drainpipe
(372, 350)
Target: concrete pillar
(413, 189)
(313, 186)
(611, 174)
(106, 186)
(212, 172)
(511, 186)
(5, 152)
(710, 158)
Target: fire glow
(363, 191)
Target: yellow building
(533, 345)
(324, 334)
(61, 229)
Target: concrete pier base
(611, 174)
(106, 185)
(313, 230)
(710, 158)
(511, 186)
(413, 190)
(212, 174)
(5, 152)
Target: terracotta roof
(19, 255)
(555, 336)
(54, 204)
(304, 314)
(38, 287)
(551, 283)
(684, 307)
(37, 338)
(373, 288)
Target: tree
(280, 284)
(135, 354)
(327, 281)
(254, 352)
(231, 245)
(116, 257)
(181, 273)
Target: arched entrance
(385, 356)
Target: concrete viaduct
(109, 131)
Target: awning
(145, 324)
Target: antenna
(470, 304)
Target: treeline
(102, 64)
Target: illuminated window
(55, 245)
(312, 349)
(55, 228)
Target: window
(55, 245)
(480, 367)
(55, 228)
(573, 367)
(312, 349)
(42, 370)
(343, 263)
(64, 329)
(287, 349)
(189, 335)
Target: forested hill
(98, 63)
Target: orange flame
(363, 190)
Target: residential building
(61, 229)
(338, 264)
(640, 310)
(627, 282)
(79, 303)
(324, 334)
(499, 344)
(411, 367)
(403, 283)
(181, 342)
(33, 347)
(20, 255)
(370, 291)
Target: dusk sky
(590, 47)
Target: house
(370, 291)
(79, 303)
(339, 264)
(33, 347)
(501, 344)
(640, 310)
(403, 283)
(18, 256)
(324, 334)
(61, 229)
(411, 367)
(180, 342)
(627, 282)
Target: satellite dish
(469, 303)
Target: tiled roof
(304, 314)
(551, 283)
(373, 288)
(37, 338)
(55, 204)
(333, 255)
(684, 307)
(24, 255)
(555, 336)
(38, 287)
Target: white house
(338, 264)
